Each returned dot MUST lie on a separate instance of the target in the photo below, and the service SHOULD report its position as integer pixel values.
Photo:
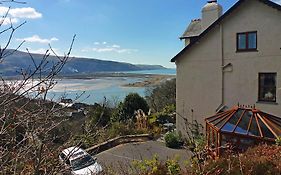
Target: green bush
(173, 166)
(131, 103)
(160, 118)
(172, 140)
(100, 116)
(156, 167)
(119, 129)
(150, 167)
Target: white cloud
(8, 21)
(109, 49)
(39, 51)
(37, 39)
(19, 13)
(28, 12)
(115, 46)
(102, 47)
(43, 51)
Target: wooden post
(219, 144)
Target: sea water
(92, 91)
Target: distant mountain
(21, 60)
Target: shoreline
(151, 80)
(147, 79)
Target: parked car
(79, 161)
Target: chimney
(210, 13)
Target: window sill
(241, 51)
(267, 102)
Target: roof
(74, 152)
(193, 29)
(219, 20)
(247, 121)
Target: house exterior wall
(199, 71)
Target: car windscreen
(82, 162)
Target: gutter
(222, 64)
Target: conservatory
(240, 127)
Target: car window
(62, 156)
(82, 162)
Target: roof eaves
(267, 2)
(237, 4)
(271, 4)
(188, 37)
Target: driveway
(121, 157)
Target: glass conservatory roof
(247, 121)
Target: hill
(21, 60)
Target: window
(247, 41)
(267, 87)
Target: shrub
(150, 167)
(156, 167)
(172, 140)
(100, 116)
(119, 129)
(259, 160)
(132, 103)
(173, 166)
(165, 116)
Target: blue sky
(134, 31)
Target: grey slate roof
(194, 29)
(218, 21)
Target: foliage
(161, 96)
(156, 167)
(260, 160)
(160, 118)
(131, 103)
(121, 129)
(169, 109)
(165, 116)
(172, 140)
(278, 141)
(30, 124)
(151, 167)
(196, 139)
(173, 166)
(99, 116)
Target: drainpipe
(222, 64)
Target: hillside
(21, 60)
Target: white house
(230, 58)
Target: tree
(27, 119)
(99, 116)
(162, 96)
(130, 105)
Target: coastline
(151, 80)
(148, 79)
(95, 87)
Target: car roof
(74, 152)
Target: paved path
(122, 156)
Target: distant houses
(76, 110)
